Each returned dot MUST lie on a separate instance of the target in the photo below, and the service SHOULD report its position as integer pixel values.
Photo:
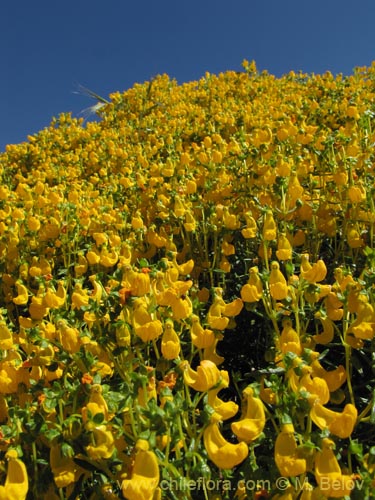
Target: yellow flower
(353, 237)
(221, 452)
(317, 387)
(289, 338)
(204, 378)
(215, 315)
(224, 409)
(251, 229)
(97, 292)
(352, 112)
(100, 238)
(269, 227)
(80, 297)
(37, 308)
(68, 337)
(96, 404)
(137, 222)
(233, 308)
(190, 223)
(170, 342)
(150, 330)
(144, 477)
(327, 335)
(277, 283)
(364, 325)
(22, 294)
(108, 259)
(357, 193)
(16, 483)
(141, 284)
(295, 190)
(334, 378)
(210, 353)
(230, 220)
(103, 444)
(92, 257)
(252, 291)
(312, 273)
(55, 299)
(63, 468)
(331, 481)
(333, 306)
(80, 267)
(287, 456)
(339, 424)
(200, 336)
(284, 248)
(253, 418)
(6, 336)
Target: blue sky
(48, 47)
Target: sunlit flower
(269, 227)
(364, 325)
(223, 409)
(277, 283)
(103, 443)
(22, 297)
(200, 337)
(339, 424)
(253, 418)
(6, 336)
(221, 452)
(288, 458)
(328, 474)
(55, 299)
(145, 475)
(170, 342)
(312, 273)
(204, 378)
(252, 291)
(289, 339)
(284, 248)
(327, 335)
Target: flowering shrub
(187, 294)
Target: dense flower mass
(187, 293)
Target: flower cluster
(187, 291)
